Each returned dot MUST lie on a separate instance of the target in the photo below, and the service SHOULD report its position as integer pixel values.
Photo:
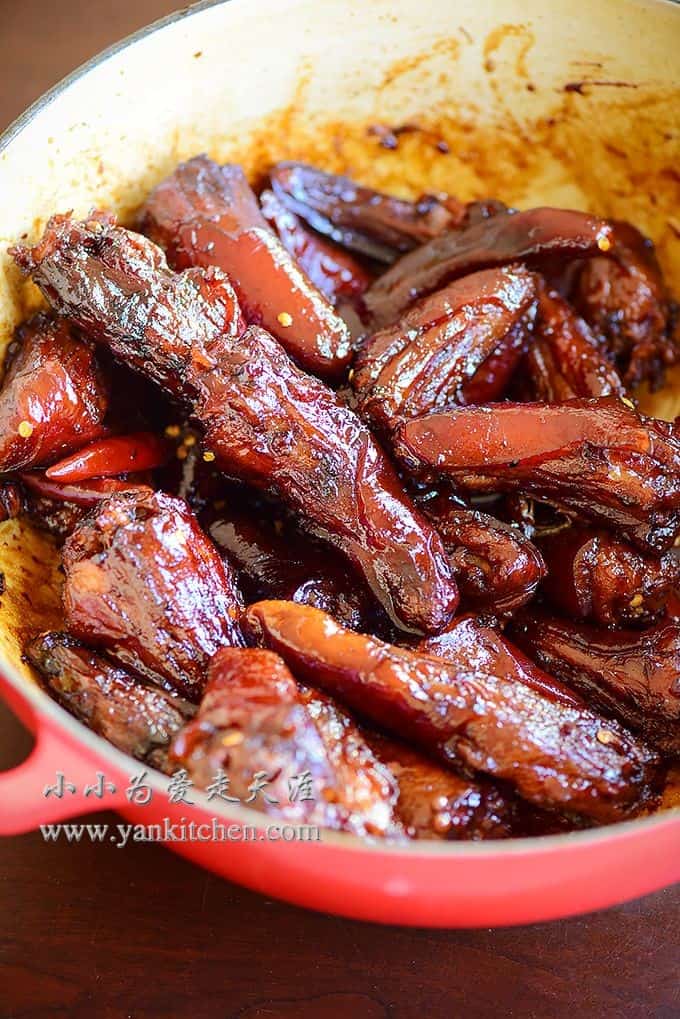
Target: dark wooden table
(95, 931)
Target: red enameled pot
(259, 80)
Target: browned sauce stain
(495, 44)
(31, 600)
(615, 151)
(448, 47)
(576, 148)
(579, 86)
(389, 137)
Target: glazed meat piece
(492, 380)
(116, 285)
(53, 397)
(437, 803)
(330, 268)
(518, 816)
(484, 706)
(260, 728)
(59, 508)
(473, 642)
(52, 515)
(266, 422)
(278, 562)
(359, 218)
(595, 576)
(278, 429)
(624, 298)
(632, 675)
(138, 719)
(534, 236)
(143, 583)
(422, 362)
(496, 567)
(207, 215)
(599, 459)
(565, 360)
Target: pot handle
(24, 804)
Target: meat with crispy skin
(593, 575)
(496, 567)
(265, 421)
(631, 675)
(136, 717)
(53, 397)
(374, 224)
(333, 270)
(143, 583)
(566, 360)
(483, 705)
(533, 236)
(307, 758)
(280, 430)
(599, 459)
(204, 215)
(625, 299)
(423, 361)
(435, 802)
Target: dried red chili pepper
(105, 458)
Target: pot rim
(47, 98)
(44, 705)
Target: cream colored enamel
(259, 80)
